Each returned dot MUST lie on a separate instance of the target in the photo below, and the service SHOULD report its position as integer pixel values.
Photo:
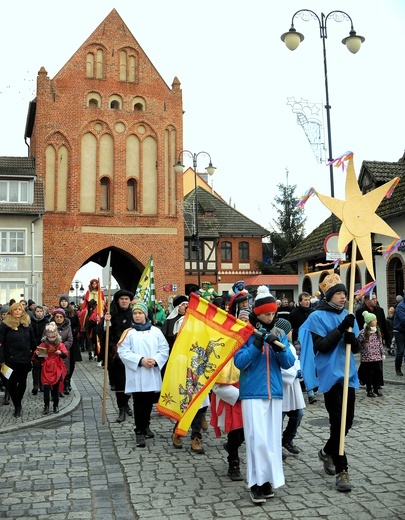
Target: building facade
(105, 133)
(21, 230)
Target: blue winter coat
(260, 374)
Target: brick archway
(127, 263)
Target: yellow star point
(358, 216)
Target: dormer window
(15, 192)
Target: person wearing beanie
(38, 322)
(51, 352)
(118, 320)
(180, 304)
(3, 311)
(226, 411)
(65, 331)
(239, 301)
(260, 361)
(30, 308)
(371, 305)
(144, 351)
(323, 337)
(244, 315)
(199, 422)
(293, 400)
(74, 352)
(371, 356)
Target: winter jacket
(399, 317)
(17, 340)
(297, 318)
(65, 333)
(371, 350)
(38, 326)
(260, 374)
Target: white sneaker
(99, 363)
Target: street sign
(330, 246)
(168, 287)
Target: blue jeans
(294, 420)
(400, 342)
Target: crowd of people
(258, 398)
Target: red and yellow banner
(207, 340)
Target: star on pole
(358, 216)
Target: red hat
(264, 301)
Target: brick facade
(60, 118)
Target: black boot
(46, 407)
(17, 411)
(121, 416)
(128, 410)
(234, 470)
(56, 406)
(66, 390)
(6, 397)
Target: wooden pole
(107, 339)
(348, 353)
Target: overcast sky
(236, 76)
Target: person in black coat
(120, 318)
(38, 322)
(17, 344)
(371, 305)
(300, 313)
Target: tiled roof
(272, 279)
(17, 167)
(379, 173)
(225, 220)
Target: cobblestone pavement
(71, 466)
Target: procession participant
(323, 337)
(120, 318)
(143, 350)
(17, 343)
(261, 391)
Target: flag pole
(348, 353)
(106, 349)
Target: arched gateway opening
(126, 269)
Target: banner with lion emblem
(207, 340)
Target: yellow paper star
(358, 216)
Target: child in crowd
(51, 352)
(371, 356)
(293, 400)
(261, 391)
(226, 410)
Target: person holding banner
(261, 391)
(144, 350)
(118, 319)
(323, 337)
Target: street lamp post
(78, 286)
(178, 168)
(353, 42)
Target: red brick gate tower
(105, 133)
